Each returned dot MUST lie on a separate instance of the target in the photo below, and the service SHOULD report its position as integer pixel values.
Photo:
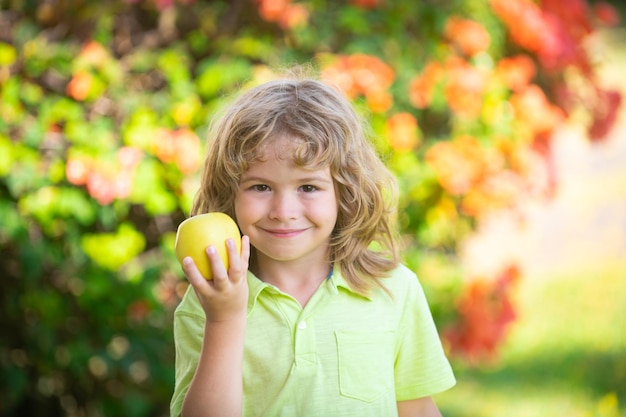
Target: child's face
(289, 212)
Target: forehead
(284, 159)
(283, 147)
(302, 153)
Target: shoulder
(403, 272)
(400, 280)
(405, 291)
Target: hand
(225, 297)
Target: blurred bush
(103, 110)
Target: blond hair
(330, 134)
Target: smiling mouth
(284, 233)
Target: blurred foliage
(102, 109)
(564, 356)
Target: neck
(298, 279)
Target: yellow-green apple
(196, 233)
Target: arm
(420, 407)
(216, 388)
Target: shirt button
(302, 325)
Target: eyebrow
(314, 178)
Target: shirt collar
(333, 283)
(337, 280)
(255, 288)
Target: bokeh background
(502, 120)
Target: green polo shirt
(341, 355)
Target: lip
(284, 233)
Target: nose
(284, 206)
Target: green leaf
(149, 189)
(112, 250)
(256, 48)
(60, 109)
(98, 134)
(73, 203)
(141, 60)
(11, 109)
(174, 63)
(25, 174)
(141, 128)
(354, 20)
(6, 155)
(221, 75)
(31, 94)
(11, 221)
(8, 54)
(50, 204)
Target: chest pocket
(365, 362)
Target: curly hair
(329, 134)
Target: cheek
(328, 210)
(245, 209)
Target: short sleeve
(188, 334)
(422, 368)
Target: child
(315, 316)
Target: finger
(245, 252)
(234, 260)
(192, 273)
(220, 276)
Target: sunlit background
(503, 120)
(565, 354)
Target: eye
(260, 187)
(308, 188)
